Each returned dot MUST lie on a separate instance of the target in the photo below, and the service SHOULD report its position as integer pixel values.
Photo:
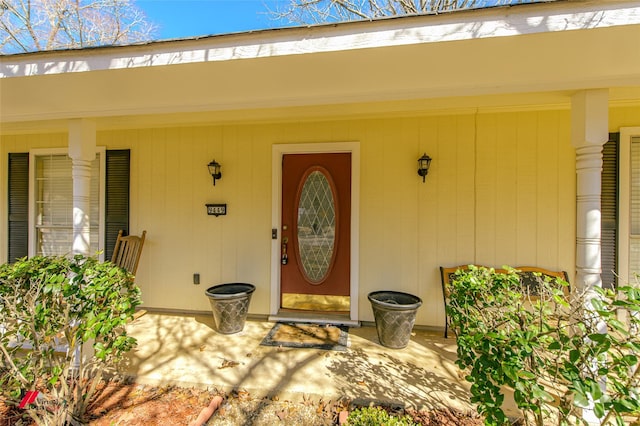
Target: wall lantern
(214, 170)
(423, 165)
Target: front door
(316, 229)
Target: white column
(589, 133)
(82, 150)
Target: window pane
(634, 257)
(634, 213)
(54, 241)
(635, 186)
(54, 190)
(54, 204)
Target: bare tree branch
(324, 11)
(29, 25)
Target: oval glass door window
(316, 226)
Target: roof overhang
(534, 53)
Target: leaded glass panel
(316, 226)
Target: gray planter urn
(230, 304)
(395, 315)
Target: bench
(527, 277)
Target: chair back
(126, 253)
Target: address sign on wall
(217, 209)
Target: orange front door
(316, 224)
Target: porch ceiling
(235, 79)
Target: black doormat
(304, 335)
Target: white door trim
(278, 151)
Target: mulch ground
(134, 404)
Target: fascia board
(459, 26)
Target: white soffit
(404, 31)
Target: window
(51, 208)
(21, 224)
(629, 223)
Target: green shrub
(375, 416)
(48, 304)
(559, 357)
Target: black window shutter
(18, 202)
(116, 197)
(609, 211)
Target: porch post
(589, 133)
(82, 150)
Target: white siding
(501, 190)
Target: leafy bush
(375, 416)
(69, 314)
(558, 356)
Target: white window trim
(278, 151)
(624, 195)
(32, 201)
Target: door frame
(278, 152)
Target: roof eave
(435, 28)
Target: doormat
(312, 336)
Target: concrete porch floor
(186, 350)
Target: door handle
(285, 256)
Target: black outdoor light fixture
(214, 170)
(423, 165)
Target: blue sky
(187, 18)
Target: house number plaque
(216, 209)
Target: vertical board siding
(505, 194)
(427, 212)
(623, 117)
(464, 133)
(407, 204)
(486, 191)
(566, 214)
(527, 171)
(501, 190)
(388, 212)
(371, 204)
(519, 217)
(446, 200)
(228, 154)
(547, 207)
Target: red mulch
(134, 404)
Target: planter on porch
(230, 304)
(395, 314)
